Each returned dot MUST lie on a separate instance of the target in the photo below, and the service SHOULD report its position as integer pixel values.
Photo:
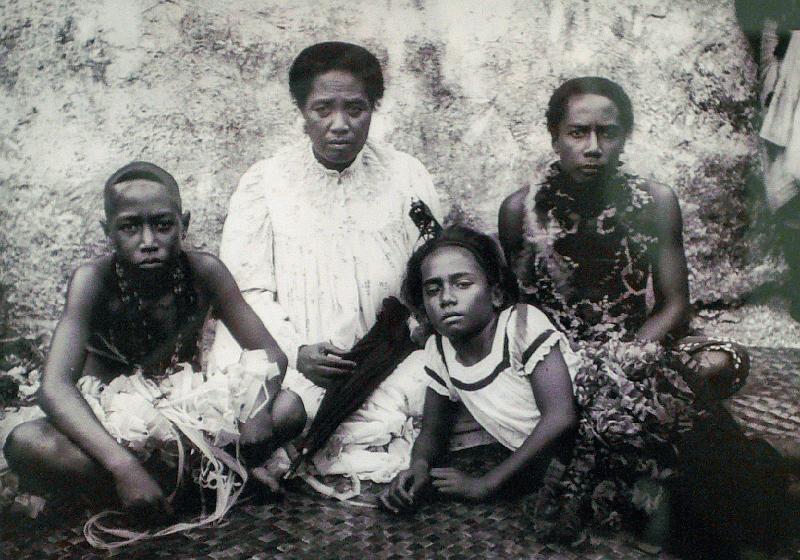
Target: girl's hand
(453, 482)
(322, 363)
(402, 493)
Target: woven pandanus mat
(306, 525)
(769, 404)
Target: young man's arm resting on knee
(671, 312)
(69, 412)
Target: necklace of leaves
(185, 301)
(617, 215)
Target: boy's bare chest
(154, 334)
(141, 323)
(160, 313)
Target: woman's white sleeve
(247, 250)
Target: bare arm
(58, 396)
(429, 450)
(234, 312)
(437, 421)
(69, 412)
(670, 274)
(552, 389)
(510, 224)
(242, 322)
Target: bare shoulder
(510, 222)
(665, 211)
(514, 204)
(92, 277)
(205, 266)
(663, 195)
(89, 284)
(211, 275)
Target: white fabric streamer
(206, 409)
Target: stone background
(200, 88)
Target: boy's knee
(713, 362)
(717, 368)
(29, 439)
(288, 414)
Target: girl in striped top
(506, 363)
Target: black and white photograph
(400, 279)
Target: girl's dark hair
(334, 55)
(486, 252)
(557, 106)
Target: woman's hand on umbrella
(323, 363)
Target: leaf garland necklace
(185, 300)
(567, 264)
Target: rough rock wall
(201, 88)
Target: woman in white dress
(318, 235)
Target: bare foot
(264, 486)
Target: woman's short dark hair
(486, 252)
(557, 106)
(334, 55)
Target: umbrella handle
(297, 461)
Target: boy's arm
(230, 307)
(552, 389)
(429, 450)
(69, 412)
(671, 312)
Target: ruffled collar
(357, 168)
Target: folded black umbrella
(376, 355)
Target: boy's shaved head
(139, 170)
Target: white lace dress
(315, 252)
